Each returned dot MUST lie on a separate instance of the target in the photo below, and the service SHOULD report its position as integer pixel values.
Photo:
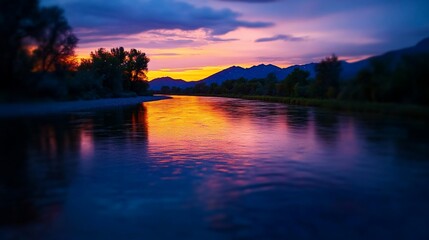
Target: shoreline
(389, 109)
(11, 110)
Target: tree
(297, 76)
(17, 25)
(327, 77)
(56, 42)
(34, 40)
(119, 69)
(136, 67)
(108, 67)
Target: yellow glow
(178, 131)
(194, 74)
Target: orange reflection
(233, 135)
(196, 126)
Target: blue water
(214, 168)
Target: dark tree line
(34, 39)
(386, 80)
(389, 80)
(38, 59)
(296, 84)
(113, 73)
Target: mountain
(259, 71)
(284, 72)
(158, 83)
(233, 72)
(393, 57)
(349, 70)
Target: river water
(214, 168)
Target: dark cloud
(103, 39)
(184, 35)
(287, 38)
(110, 18)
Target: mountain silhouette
(349, 70)
(158, 83)
(393, 57)
(234, 72)
(259, 71)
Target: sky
(192, 39)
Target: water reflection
(41, 156)
(37, 164)
(326, 126)
(213, 168)
(297, 119)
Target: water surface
(214, 168)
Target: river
(214, 168)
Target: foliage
(391, 80)
(119, 70)
(55, 42)
(259, 86)
(38, 59)
(294, 84)
(35, 41)
(17, 25)
(327, 78)
(403, 80)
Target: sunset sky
(191, 39)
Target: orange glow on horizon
(196, 74)
(356, 58)
(199, 73)
(190, 74)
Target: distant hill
(259, 71)
(349, 70)
(307, 67)
(158, 83)
(235, 72)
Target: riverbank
(351, 106)
(45, 108)
(404, 110)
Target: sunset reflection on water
(198, 128)
(213, 168)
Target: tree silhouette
(327, 77)
(108, 67)
(34, 40)
(397, 80)
(136, 67)
(17, 25)
(56, 42)
(296, 78)
(137, 64)
(119, 70)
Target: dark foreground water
(214, 168)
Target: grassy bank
(414, 111)
(350, 106)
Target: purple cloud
(216, 39)
(287, 38)
(111, 18)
